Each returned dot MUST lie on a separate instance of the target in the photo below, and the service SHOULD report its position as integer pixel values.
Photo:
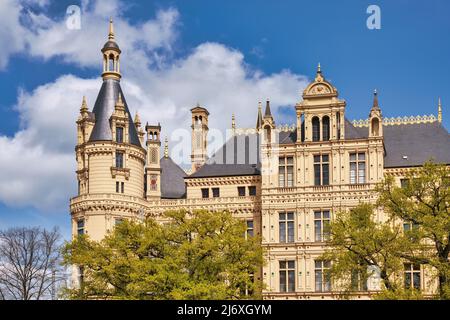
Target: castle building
(284, 181)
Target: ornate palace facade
(286, 182)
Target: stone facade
(300, 176)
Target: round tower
(110, 156)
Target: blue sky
(265, 44)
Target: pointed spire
(439, 111)
(166, 148)
(233, 122)
(318, 68)
(111, 29)
(84, 107)
(267, 113)
(259, 119)
(137, 120)
(375, 105)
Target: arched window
(375, 127)
(267, 134)
(111, 63)
(326, 128)
(315, 129)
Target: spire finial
(439, 111)
(259, 119)
(318, 68)
(84, 107)
(267, 112)
(119, 100)
(166, 148)
(233, 122)
(137, 119)
(375, 100)
(111, 29)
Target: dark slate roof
(352, 132)
(224, 170)
(240, 149)
(172, 179)
(419, 142)
(103, 109)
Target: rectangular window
(404, 183)
(322, 278)
(321, 222)
(205, 193)
(286, 172)
(216, 192)
(249, 232)
(358, 282)
(252, 191)
(357, 168)
(123, 187)
(241, 191)
(117, 186)
(119, 159)
(287, 276)
(119, 134)
(80, 227)
(286, 226)
(321, 170)
(412, 276)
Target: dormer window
(119, 134)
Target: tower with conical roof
(109, 153)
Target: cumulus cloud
(40, 157)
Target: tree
(361, 248)
(423, 203)
(29, 263)
(203, 255)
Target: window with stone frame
(119, 134)
(412, 276)
(241, 191)
(321, 170)
(357, 168)
(287, 276)
(80, 227)
(250, 229)
(286, 227)
(205, 193)
(358, 283)
(321, 223)
(322, 277)
(286, 172)
(119, 159)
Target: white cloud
(40, 157)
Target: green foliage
(203, 255)
(358, 244)
(424, 202)
(359, 240)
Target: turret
(199, 137)
(375, 118)
(153, 167)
